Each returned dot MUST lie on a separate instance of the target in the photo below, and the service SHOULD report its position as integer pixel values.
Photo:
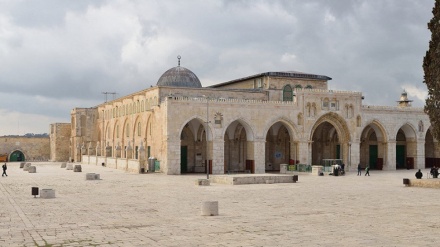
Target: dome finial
(178, 60)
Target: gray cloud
(56, 55)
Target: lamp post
(206, 131)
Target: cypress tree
(431, 68)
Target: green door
(338, 151)
(373, 157)
(183, 159)
(400, 156)
(17, 156)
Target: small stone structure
(32, 169)
(92, 176)
(210, 208)
(316, 170)
(63, 165)
(203, 182)
(69, 166)
(22, 164)
(26, 166)
(77, 168)
(425, 183)
(47, 193)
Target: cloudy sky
(59, 54)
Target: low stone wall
(130, 165)
(253, 179)
(425, 183)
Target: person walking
(359, 170)
(367, 170)
(4, 170)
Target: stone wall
(33, 148)
(60, 141)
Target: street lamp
(206, 131)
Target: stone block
(77, 168)
(90, 176)
(97, 176)
(69, 166)
(32, 169)
(63, 165)
(26, 166)
(283, 168)
(22, 164)
(210, 208)
(47, 193)
(203, 182)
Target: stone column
(419, 159)
(390, 162)
(141, 156)
(129, 151)
(304, 153)
(355, 156)
(218, 159)
(259, 147)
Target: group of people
(5, 167)
(367, 170)
(433, 172)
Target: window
(308, 87)
(127, 130)
(139, 129)
(287, 93)
(258, 83)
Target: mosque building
(252, 124)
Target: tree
(431, 67)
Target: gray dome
(179, 77)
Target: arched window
(308, 87)
(287, 93)
(298, 86)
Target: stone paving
(124, 209)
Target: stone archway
(406, 147)
(278, 147)
(238, 151)
(330, 138)
(372, 146)
(194, 148)
(17, 156)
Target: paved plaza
(124, 209)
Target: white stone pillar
(355, 156)
(259, 148)
(218, 159)
(390, 162)
(304, 154)
(419, 159)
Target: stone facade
(22, 148)
(60, 141)
(252, 124)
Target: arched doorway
(193, 148)
(278, 147)
(372, 149)
(406, 147)
(237, 153)
(16, 156)
(326, 144)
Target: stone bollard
(47, 193)
(77, 168)
(32, 169)
(97, 177)
(26, 166)
(69, 166)
(203, 182)
(63, 165)
(210, 208)
(90, 176)
(22, 164)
